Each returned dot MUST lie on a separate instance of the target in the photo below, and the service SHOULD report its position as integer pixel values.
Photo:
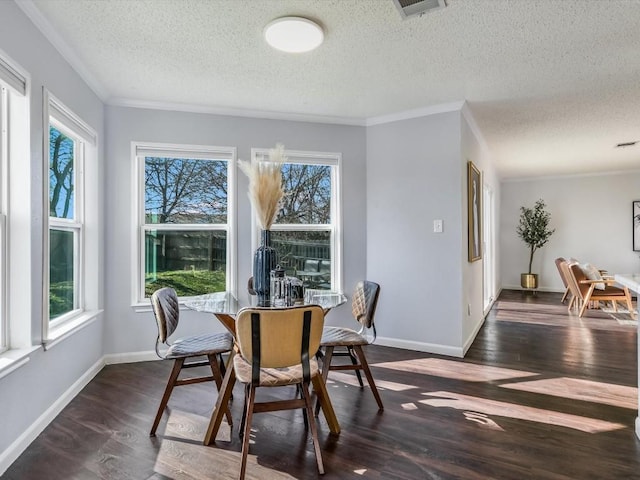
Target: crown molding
(415, 113)
(235, 112)
(473, 125)
(569, 176)
(42, 24)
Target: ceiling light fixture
(293, 34)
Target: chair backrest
(559, 262)
(577, 275)
(364, 302)
(166, 310)
(280, 333)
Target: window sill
(65, 330)
(13, 359)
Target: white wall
(44, 381)
(593, 222)
(474, 150)
(130, 332)
(414, 172)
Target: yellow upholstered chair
(277, 347)
(167, 313)
(350, 342)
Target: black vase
(264, 260)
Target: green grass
(187, 282)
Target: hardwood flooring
(540, 395)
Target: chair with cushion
(596, 290)
(349, 342)
(277, 347)
(167, 313)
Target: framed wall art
(474, 212)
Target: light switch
(437, 226)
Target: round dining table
(225, 306)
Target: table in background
(225, 307)
(632, 282)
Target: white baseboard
(540, 289)
(29, 435)
(131, 357)
(420, 346)
(473, 335)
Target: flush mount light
(293, 34)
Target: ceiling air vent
(411, 8)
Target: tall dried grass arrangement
(265, 185)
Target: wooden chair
(167, 313)
(277, 347)
(559, 261)
(350, 342)
(585, 289)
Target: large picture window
(184, 219)
(306, 232)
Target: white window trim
(4, 186)
(140, 150)
(334, 160)
(16, 211)
(86, 287)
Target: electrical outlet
(437, 226)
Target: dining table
(225, 306)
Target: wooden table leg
(223, 401)
(325, 402)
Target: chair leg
(251, 397)
(216, 369)
(244, 410)
(354, 361)
(326, 365)
(312, 424)
(564, 297)
(367, 372)
(177, 366)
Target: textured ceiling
(554, 85)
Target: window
(71, 251)
(306, 232)
(186, 229)
(15, 298)
(3, 217)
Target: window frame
(141, 150)
(74, 225)
(86, 285)
(4, 197)
(334, 161)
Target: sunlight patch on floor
(585, 390)
(468, 372)
(519, 412)
(381, 384)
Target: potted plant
(534, 230)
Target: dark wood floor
(540, 395)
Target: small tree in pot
(534, 230)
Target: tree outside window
(185, 224)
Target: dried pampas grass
(265, 185)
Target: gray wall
(414, 171)
(125, 125)
(26, 393)
(593, 222)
